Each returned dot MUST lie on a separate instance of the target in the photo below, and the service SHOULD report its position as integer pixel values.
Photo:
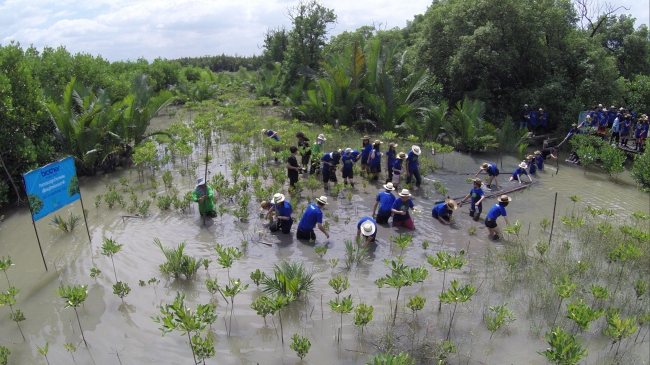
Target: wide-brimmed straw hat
(416, 150)
(264, 205)
(405, 192)
(278, 198)
(322, 137)
(477, 181)
(574, 125)
(389, 186)
(365, 137)
(392, 144)
(504, 198)
(530, 156)
(401, 156)
(451, 204)
(377, 142)
(264, 130)
(368, 229)
(523, 164)
(485, 166)
(322, 200)
(200, 181)
(538, 152)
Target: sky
(130, 29)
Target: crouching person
(312, 217)
(282, 211)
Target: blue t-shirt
(376, 161)
(386, 201)
(270, 133)
(356, 155)
(476, 194)
(532, 116)
(283, 209)
(539, 160)
(532, 166)
(626, 126)
(311, 217)
(390, 158)
(644, 131)
(365, 152)
(327, 158)
(348, 162)
(542, 119)
(404, 207)
(412, 159)
(639, 128)
(492, 170)
(611, 115)
(397, 166)
(441, 209)
(496, 211)
(519, 171)
(368, 219)
(602, 118)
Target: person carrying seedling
(521, 170)
(413, 166)
(391, 155)
(293, 170)
(385, 201)
(477, 196)
(366, 148)
(272, 135)
(495, 212)
(400, 210)
(304, 148)
(282, 211)
(397, 168)
(316, 150)
(367, 227)
(348, 160)
(312, 217)
(492, 172)
(329, 161)
(444, 211)
(374, 160)
(203, 195)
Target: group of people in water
(398, 165)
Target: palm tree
(466, 129)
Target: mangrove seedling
(579, 312)
(4, 355)
(232, 290)
(402, 241)
(333, 263)
(389, 359)
(564, 288)
(203, 347)
(425, 244)
(109, 248)
(416, 303)
(65, 225)
(121, 289)
(354, 253)
(341, 306)
(624, 252)
(444, 261)
(71, 348)
(320, 251)
(618, 328)
(98, 201)
(456, 295)
(599, 292)
(222, 209)
(502, 317)
(9, 298)
(94, 272)
(313, 185)
(545, 223)
(5, 264)
(300, 345)
(178, 263)
(401, 276)
(363, 315)
(227, 255)
(278, 303)
(564, 348)
(257, 276)
(74, 296)
(289, 277)
(212, 286)
(541, 248)
(339, 284)
(263, 306)
(471, 230)
(43, 351)
(640, 287)
(177, 316)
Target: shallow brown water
(112, 327)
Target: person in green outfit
(202, 194)
(317, 150)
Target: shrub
(179, 263)
(289, 277)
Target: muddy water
(112, 327)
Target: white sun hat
(368, 229)
(523, 165)
(416, 150)
(278, 198)
(389, 186)
(322, 200)
(405, 192)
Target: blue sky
(121, 29)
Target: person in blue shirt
(397, 168)
(400, 209)
(523, 117)
(521, 170)
(644, 132)
(495, 212)
(532, 120)
(385, 201)
(272, 135)
(601, 115)
(282, 211)
(329, 162)
(531, 165)
(348, 160)
(611, 115)
(366, 148)
(477, 196)
(374, 160)
(312, 217)
(444, 211)
(541, 122)
(539, 160)
(625, 130)
(492, 172)
(637, 133)
(413, 166)
(367, 227)
(391, 155)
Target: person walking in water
(400, 210)
(316, 150)
(385, 201)
(397, 168)
(348, 160)
(312, 217)
(492, 172)
(367, 227)
(391, 155)
(304, 148)
(444, 211)
(413, 166)
(477, 196)
(202, 194)
(329, 161)
(366, 148)
(495, 212)
(293, 170)
(282, 211)
(374, 160)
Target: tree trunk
(19, 201)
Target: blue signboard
(51, 187)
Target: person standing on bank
(293, 170)
(202, 194)
(312, 217)
(497, 210)
(477, 196)
(304, 148)
(523, 118)
(282, 211)
(444, 211)
(413, 166)
(385, 201)
(374, 160)
(367, 227)
(492, 172)
(400, 210)
(391, 155)
(366, 148)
